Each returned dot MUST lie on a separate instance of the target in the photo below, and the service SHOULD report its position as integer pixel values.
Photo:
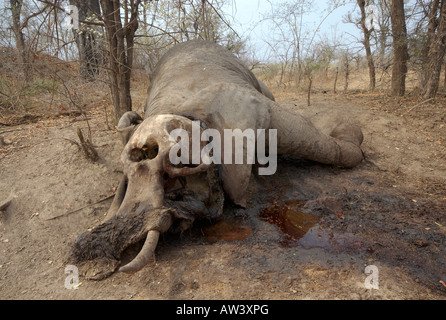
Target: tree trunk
(19, 37)
(366, 42)
(431, 28)
(346, 71)
(120, 41)
(335, 80)
(88, 38)
(400, 54)
(299, 72)
(206, 35)
(310, 84)
(444, 81)
(437, 50)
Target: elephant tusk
(119, 197)
(146, 253)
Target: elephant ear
(244, 109)
(234, 107)
(128, 124)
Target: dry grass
(57, 87)
(358, 82)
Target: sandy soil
(388, 212)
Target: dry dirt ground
(330, 223)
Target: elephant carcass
(195, 81)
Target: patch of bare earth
(387, 212)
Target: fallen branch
(25, 119)
(11, 130)
(82, 208)
(418, 105)
(70, 141)
(4, 94)
(69, 113)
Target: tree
(17, 28)
(400, 53)
(346, 69)
(88, 37)
(120, 41)
(436, 49)
(19, 23)
(383, 34)
(366, 43)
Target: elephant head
(153, 196)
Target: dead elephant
(195, 82)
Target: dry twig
(87, 146)
(418, 105)
(82, 208)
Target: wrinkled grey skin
(196, 80)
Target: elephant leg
(298, 137)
